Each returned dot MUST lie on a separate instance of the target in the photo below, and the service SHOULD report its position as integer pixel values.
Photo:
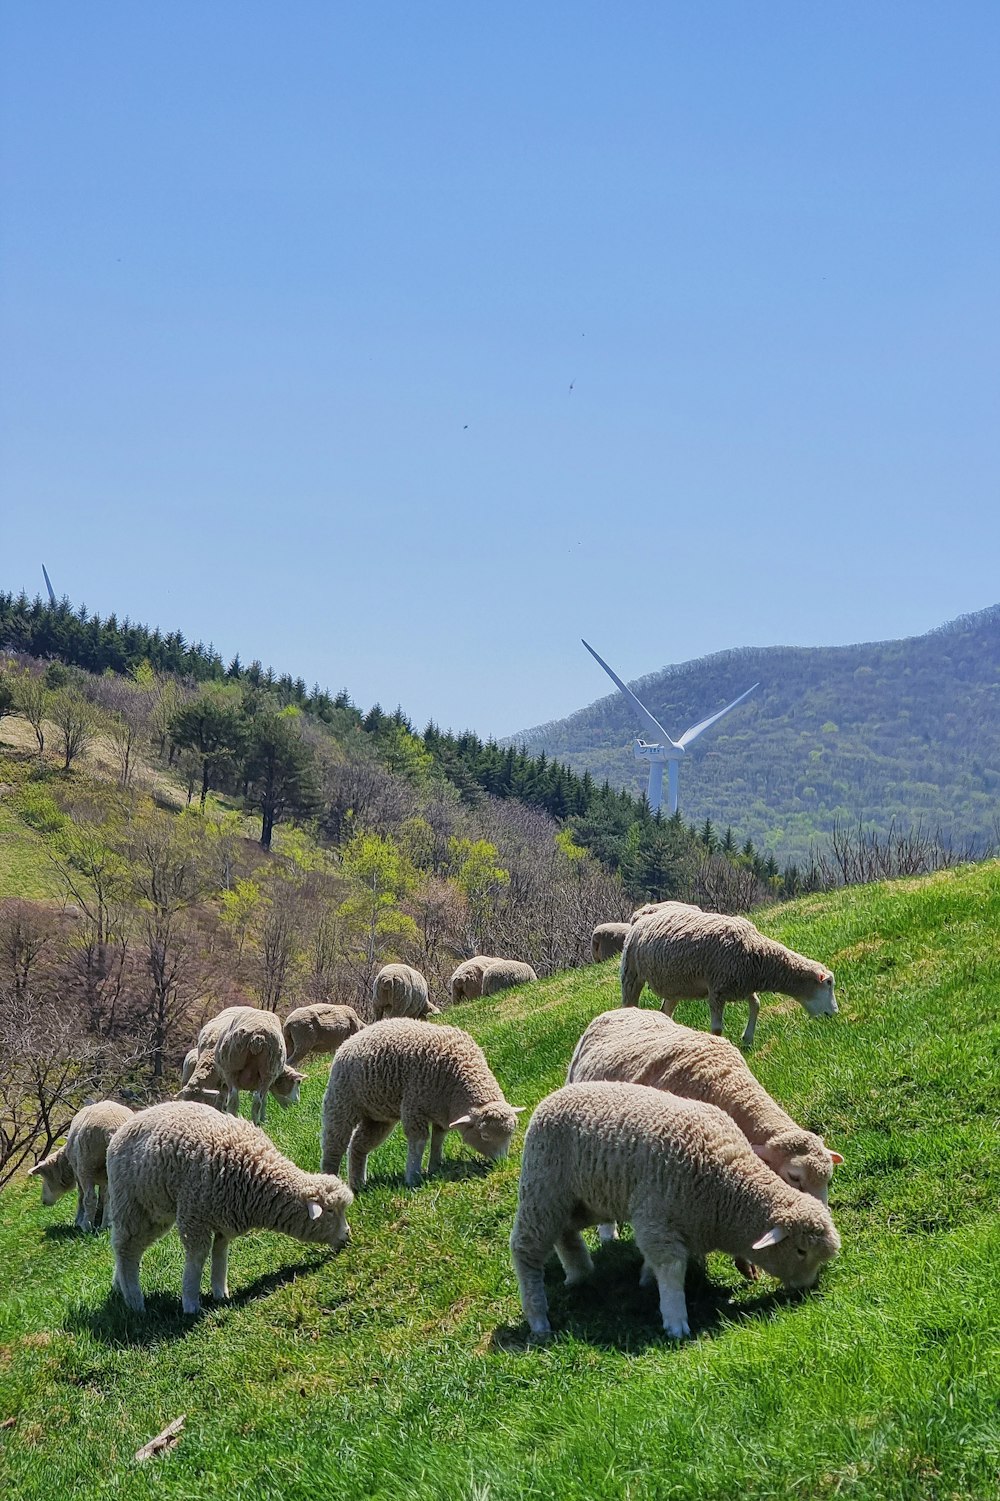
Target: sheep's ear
(837, 1159)
(518, 1109)
(463, 1120)
(315, 1209)
(296, 1075)
(774, 1235)
(39, 1167)
(764, 1153)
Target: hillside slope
(886, 730)
(400, 1369)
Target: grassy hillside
(401, 1368)
(885, 730)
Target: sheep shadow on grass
(612, 1312)
(454, 1170)
(112, 1323)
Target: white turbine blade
(696, 729)
(640, 709)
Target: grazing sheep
(318, 1029)
(82, 1160)
(432, 1079)
(241, 1048)
(646, 1047)
(218, 1176)
(485, 976)
(204, 1084)
(680, 953)
(680, 1170)
(400, 990)
(608, 939)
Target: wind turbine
(663, 751)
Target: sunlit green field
(401, 1368)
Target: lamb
(680, 953)
(432, 1079)
(242, 1048)
(218, 1176)
(82, 1160)
(400, 990)
(680, 1170)
(318, 1029)
(646, 1047)
(485, 976)
(608, 938)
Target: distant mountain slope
(885, 730)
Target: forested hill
(906, 730)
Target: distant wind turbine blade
(696, 729)
(639, 708)
(48, 585)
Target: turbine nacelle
(645, 752)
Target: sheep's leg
(434, 1161)
(129, 1248)
(575, 1257)
(81, 1209)
(751, 1020)
(666, 1258)
(88, 1200)
(529, 1252)
(417, 1131)
(607, 1232)
(232, 1099)
(220, 1268)
(632, 985)
(670, 1005)
(338, 1124)
(101, 1219)
(258, 1111)
(716, 1006)
(197, 1242)
(367, 1136)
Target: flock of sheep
(658, 1125)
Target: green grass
(401, 1368)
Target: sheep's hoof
(677, 1330)
(540, 1330)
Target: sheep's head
(802, 1159)
(285, 1088)
(489, 1128)
(324, 1206)
(817, 994)
(56, 1175)
(797, 1245)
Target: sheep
(432, 1079)
(318, 1029)
(400, 990)
(646, 1047)
(82, 1160)
(608, 938)
(218, 1176)
(241, 1048)
(485, 976)
(680, 1170)
(680, 953)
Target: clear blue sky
(402, 344)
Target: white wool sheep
(608, 939)
(484, 975)
(242, 1048)
(681, 953)
(432, 1079)
(318, 1029)
(82, 1160)
(680, 1170)
(218, 1176)
(646, 1047)
(400, 990)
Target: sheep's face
(489, 1129)
(326, 1204)
(285, 1088)
(820, 1000)
(56, 1175)
(795, 1250)
(802, 1160)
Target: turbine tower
(663, 751)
